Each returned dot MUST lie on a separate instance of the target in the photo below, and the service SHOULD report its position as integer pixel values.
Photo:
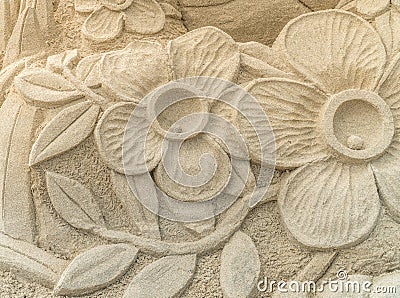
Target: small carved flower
(338, 125)
(108, 17)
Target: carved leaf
(110, 133)
(73, 202)
(240, 266)
(206, 51)
(29, 262)
(17, 216)
(343, 4)
(5, 24)
(96, 269)
(57, 62)
(144, 17)
(7, 75)
(167, 277)
(44, 88)
(145, 221)
(66, 131)
(103, 25)
(88, 70)
(26, 38)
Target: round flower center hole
(177, 112)
(358, 124)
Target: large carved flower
(338, 125)
(139, 69)
(108, 17)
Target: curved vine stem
(230, 223)
(84, 89)
(226, 228)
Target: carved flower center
(216, 168)
(358, 124)
(177, 113)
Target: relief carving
(125, 171)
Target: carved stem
(317, 267)
(84, 89)
(225, 229)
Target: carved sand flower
(139, 69)
(108, 17)
(111, 86)
(340, 130)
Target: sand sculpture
(93, 202)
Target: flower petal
(328, 204)
(264, 54)
(336, 49)
(207, 52)
(145, 17)
(388, 27)
(390, 92)
(188, 154)
(202, 228)
(371, 8)
(387, 173)
(135, 71)
(293, 111)
(389, 88)
(103, 25)
(110, 139)
(85, 5)
(260, 61)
